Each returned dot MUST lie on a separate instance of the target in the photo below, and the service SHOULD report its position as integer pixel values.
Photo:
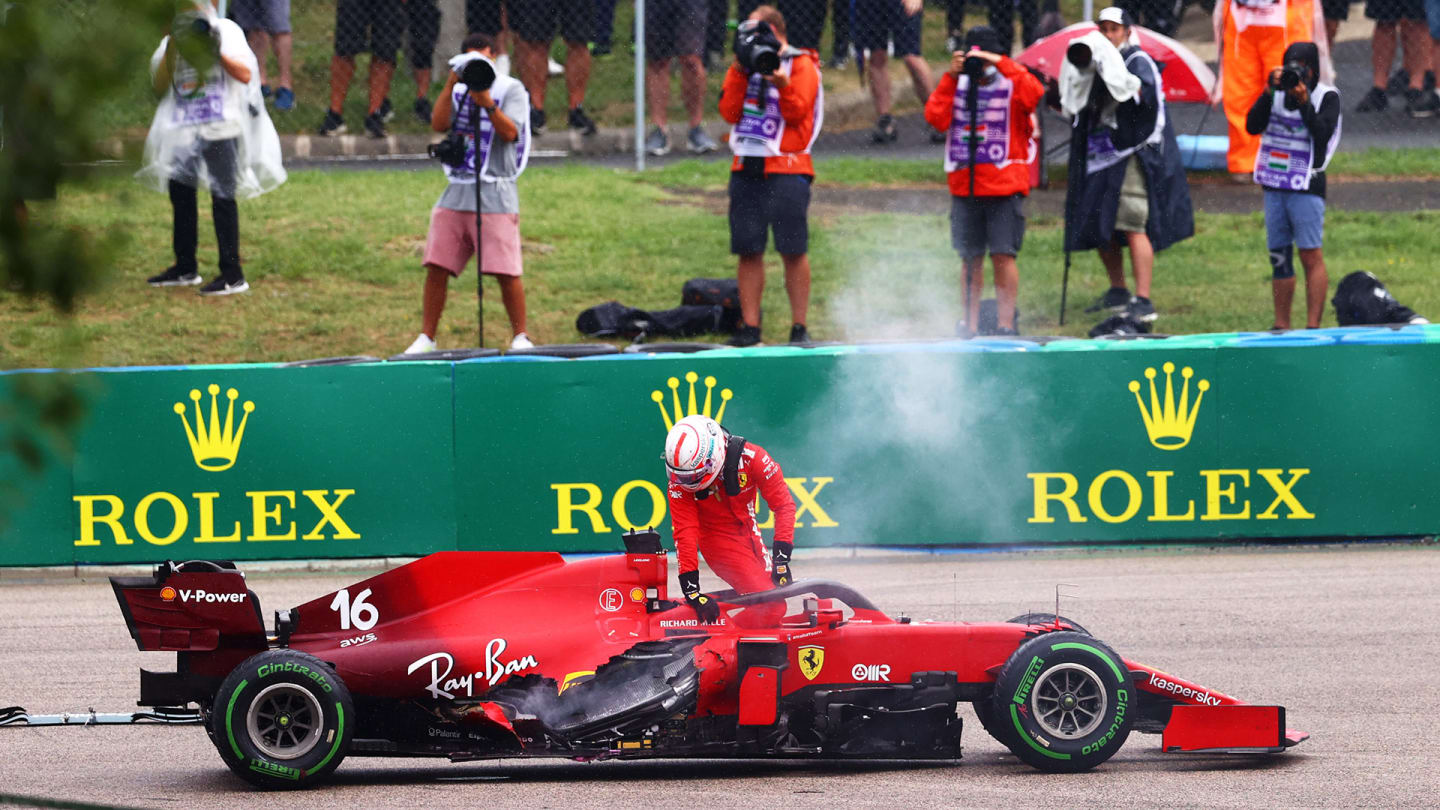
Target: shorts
(1336, 9)
(1294, 216)
(879, 22)
(483, 17)
(451, 242)
(980, 225)
(674, 28)
(1389, 11)
(538, 20)
(270, 16)
(369, 25)
(758, 205)
(1134, 212)
(1432, 15)
(423, 18)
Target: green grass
(334, 260)
(1414, 164)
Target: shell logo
(167, 594)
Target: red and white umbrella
(1184, 76)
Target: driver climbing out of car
(713, 480)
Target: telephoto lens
(1289, 78)
(1078, 54)
(974, 67)
(478, 75)
(756, 47)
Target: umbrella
(1184, 76)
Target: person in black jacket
(1298, 120)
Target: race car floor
(1343, 636)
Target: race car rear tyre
(282, 719)
(1063, 703)
(1047, 618)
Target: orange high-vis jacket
(991, 181)
(797, 106)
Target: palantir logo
(691, 406)
(1169, 424)
(215, 446)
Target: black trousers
(1002, 19)
(219, 158)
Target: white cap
(1113, 14)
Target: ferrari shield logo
(744, 480)
(812, 658)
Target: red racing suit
(724, 528)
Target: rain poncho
(199, 109)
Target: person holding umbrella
(1127, 185)
(984, 105)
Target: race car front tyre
(1063, 703)
(282, 719)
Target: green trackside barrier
(260, 462)
(921, 443)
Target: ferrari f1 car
(474, 655)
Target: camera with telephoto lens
(974, 67)
(756, 47)
(478, 75)
(1292, 76)
(1079, 55)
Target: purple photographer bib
(992, 125)
(761, 126)
(1286, 148)
(197, 103)
(478, 144)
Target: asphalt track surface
(1343, 636)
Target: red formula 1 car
(471, 655)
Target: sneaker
(581, 122)
(284, 99)
(700, 141)
(657, 143)
(1374, 101)
(175, 277)
(1140, 309)
(386, 111)
(1399, 82)
(423, 109)
(745, 336)
(537, 122)
(557, 69)
(333, 124)
(1115, 299)
(375, 125)
(799, 334)
(222, 287)
(884, 130)
(422, 344)
(1424, 105)
(521, 341)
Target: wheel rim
(285, 721)
(1069, 701)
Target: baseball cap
(1114, 14)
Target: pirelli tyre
(282, 719)
(1063, 703)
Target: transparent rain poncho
(201, 109)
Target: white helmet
(695, 452)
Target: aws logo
(582, 502)
(162, 518)
(1118, 496)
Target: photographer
(476, 99)
(772, 97)
(984, 103)
(1127, 185)
(210, 129)
(1298, 121)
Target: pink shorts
(451, 242)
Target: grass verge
(334, 260)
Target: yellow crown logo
(1168, 424)
(213, 447)
(691, 408)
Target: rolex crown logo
(213, 446)
(690, 408)
(1168, 424)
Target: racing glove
(780, 563)
(707, 610)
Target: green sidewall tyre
(293, 679)
(1035, 675)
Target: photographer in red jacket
(987, 204)
(714, 478)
